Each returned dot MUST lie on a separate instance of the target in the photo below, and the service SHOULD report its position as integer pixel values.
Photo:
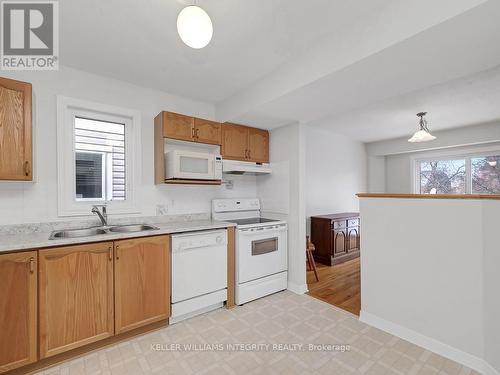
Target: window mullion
(468, 175)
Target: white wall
(375, 173)
(398, 173)
(491, 262)
(282, 196)
(335, 171)
(37, 201)
(429, 274)
(390, 163)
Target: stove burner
(253, 220)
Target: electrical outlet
(229, 184)
(161, 209)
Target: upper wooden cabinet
(234, 142)
(177, 126)
(187, 128)
(244, 143)
(142, 282)
(258, 145)
(206, 131)
(15, 130)
(75, 296)
(18, 312)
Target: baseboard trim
(426, 342)
(296, 288)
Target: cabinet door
(339, 242)
(142, 282)
(18, 297)
(207, 131)
(178, 126)
(234, 142)
(353, 238)
(75, 296)
(258, 145)
(15, 130)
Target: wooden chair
(310, 259)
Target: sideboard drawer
(353, 222)
(339, 224)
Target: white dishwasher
(199, 273)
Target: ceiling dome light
(194, 27)
(422, 135)
(492, 163)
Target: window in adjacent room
(471, 174)
(442, 177)
(485, 174)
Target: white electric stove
(261, 248)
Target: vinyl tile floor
(283, 333)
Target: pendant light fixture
(423, 134)
(194, 27)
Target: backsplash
(73, 224)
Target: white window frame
(67, 110)
(467, 155)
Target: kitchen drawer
(339, 224)
(353, 222)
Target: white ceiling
(462, 102)
(137, 41)
(362, 68)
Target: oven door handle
(262, 230)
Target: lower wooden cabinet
(81, 294)
(336, 237)
(339, 242)
(75, 296)
(18, 310)
(142, 282)
(353, 238)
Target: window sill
(430, 196)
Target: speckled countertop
(38, 236)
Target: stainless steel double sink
(95, 231)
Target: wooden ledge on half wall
(430, 196)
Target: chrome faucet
(103, 216)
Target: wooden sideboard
(336, 237)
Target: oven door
(194, 165)
(261, 252)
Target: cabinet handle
(110, 251)
(32, 264)
(193, 133)
(197, 133)
(117, 255)
(26, 168)
(249, 156)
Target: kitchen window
(99, 160)
(97, 150)
(469, 174)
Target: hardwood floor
(339, 285)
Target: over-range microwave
(181, 164)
